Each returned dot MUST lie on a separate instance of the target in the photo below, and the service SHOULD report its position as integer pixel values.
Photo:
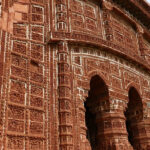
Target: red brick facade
(74, 75)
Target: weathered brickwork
(74, 75)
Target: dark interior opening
(133, 114)
(97, 94)
(128, 127)
(91, 126)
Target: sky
(148, 1)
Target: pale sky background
(148, 1)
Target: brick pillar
(142, 47)
(84, 142)
(61, 15)
(65, 105)
(107, 21)
(112, 133)
(140, 127)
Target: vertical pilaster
(107, 21)
(61, 15)
(65, 105)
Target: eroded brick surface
(74, 75)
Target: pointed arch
(100, 74)
(134, 115)
(98, 96)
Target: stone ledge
(55, 37)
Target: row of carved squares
(80, 7)
(20, 126)
(18, 113)
(87, 50)
(18, 93)
(24, 74)
(17, 142)
(117, 61)
(21, 49)
(24, 15)
(22, 100)
(22, 31)
(18, 61)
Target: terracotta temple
(74, 75)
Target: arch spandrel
(136, 86)
(85, 83)
(100, 74)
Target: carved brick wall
(24, 94)
(49, 51)
(119, 75)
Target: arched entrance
(97, 99)
(134, 115)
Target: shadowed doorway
(134, 115)
(98, 94)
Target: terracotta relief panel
(37, 52)
(36, 72)
(36, 116)
(18, 61)
(37, 33)
(36, 101)
(118, 72)
(36, 128)
(85, 17)
(24, 77)
(131, 77)
(20, 30)
(18, 72)
(16, 118)
(19, 66)
(37, 14)
(15, 143)
(115, 70)
(35, 143)
(36, 90)
(19, 47)
(17, 92)
(15, 112)
(16, 126)
(124, 34)
(39, 114)
(119, 75)
(116, 82)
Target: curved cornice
(138, 8)
(79, 38)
